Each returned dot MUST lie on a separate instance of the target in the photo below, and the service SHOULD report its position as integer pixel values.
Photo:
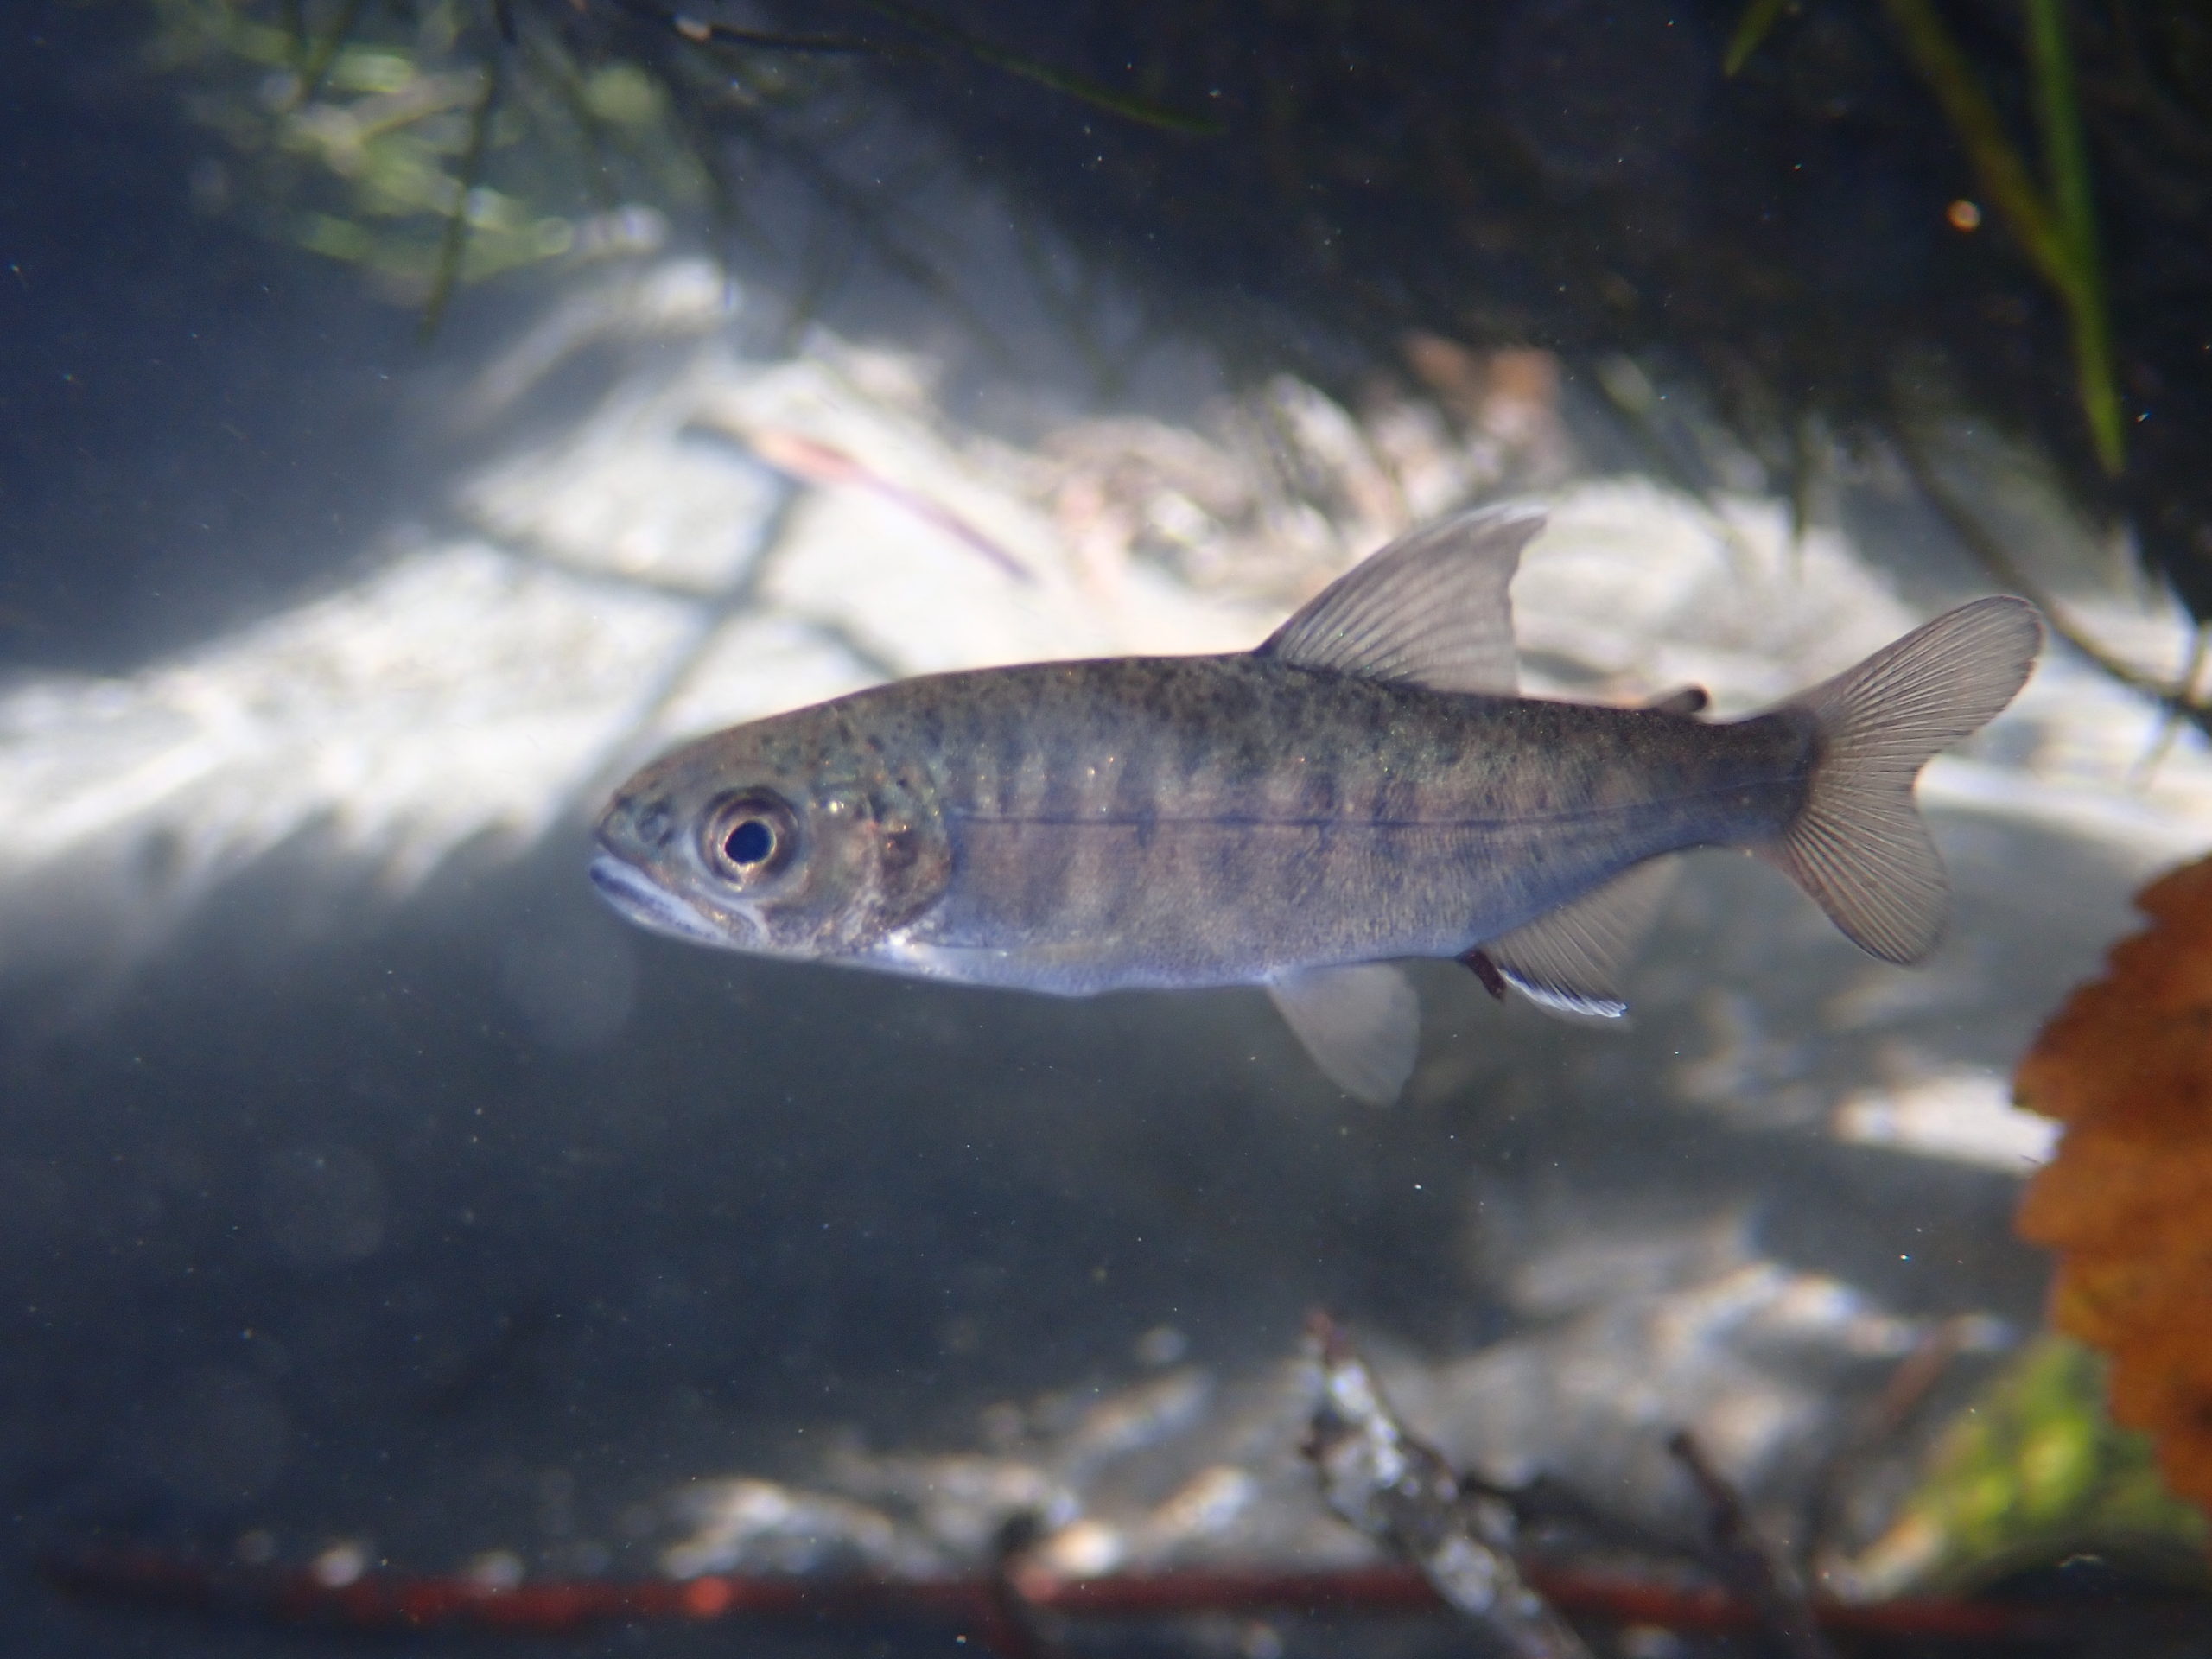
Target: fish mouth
(646, 902)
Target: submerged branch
(1750, 1566)
(1399, 1489)
(1991, 554)
(385, 1600)
(702, 31)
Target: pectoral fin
(1570, 960)
(1361, 1024)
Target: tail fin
(1858, 845)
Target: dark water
(171, 467)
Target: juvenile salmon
(1363, 787)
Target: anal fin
(1361, 1024)
(1570, 959)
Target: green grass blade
(1752, 30)
(2043, 234)
(454, 243)
(1129, 108)
(2066, 162)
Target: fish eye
(750, 836)
(750, 842)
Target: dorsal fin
(1569, 960)
(1429, 609)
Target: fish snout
(649, 905)
(642, 823)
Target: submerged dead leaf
(2126, 1065)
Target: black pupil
(750, 843)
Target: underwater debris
(1019, 1566)
(809, 461)
(1399, 1489)
(2126, 1201)
(1748, 1563)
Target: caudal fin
(1858, 845)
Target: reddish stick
(386, 1601)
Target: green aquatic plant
(373, 140)
(2032, 1473)
(2054, 222)
(439, 143)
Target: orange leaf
(2126, 1202)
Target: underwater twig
(1990, 555)
(1746, 1562)
(825, 260)
(1806, 460)
(384, 1600)
(1907, 1389)
(317, 64)
(1399, 1489)
(558, 69)
(702, 31)
(1080, 87)
(454, 242)
(2169, 723)
(2059, 236)
(1010, 1628)
(727, 215)
(809, 461)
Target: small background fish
(1361, 788)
